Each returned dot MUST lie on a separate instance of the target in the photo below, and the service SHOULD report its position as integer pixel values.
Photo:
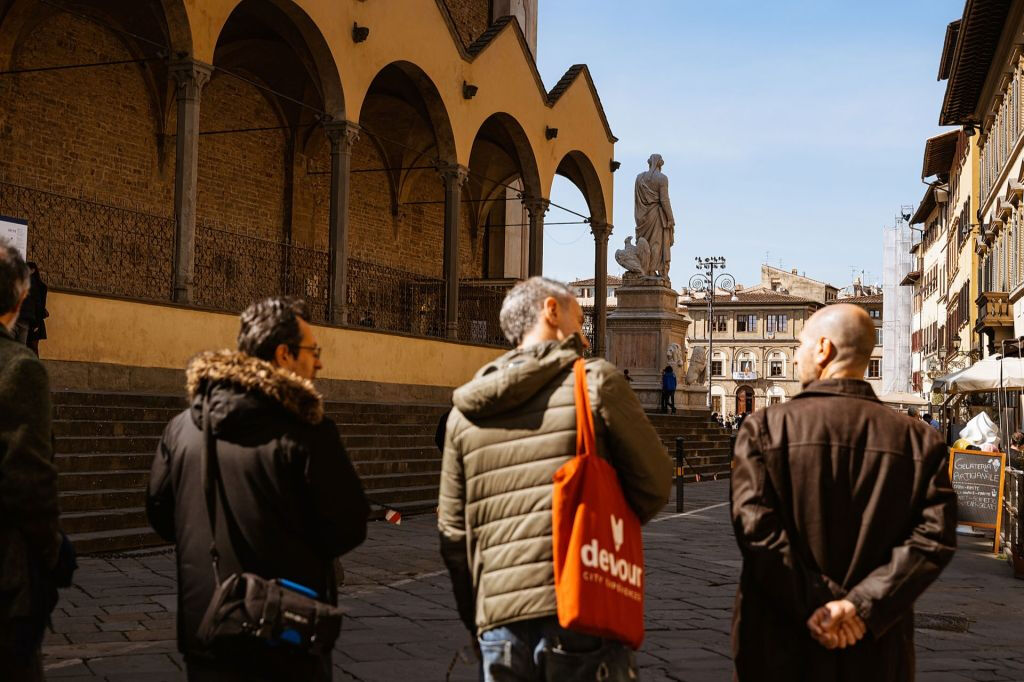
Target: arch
(432, 107)
(298, 30)
(776, 356)
(501, 132)
(577, 167)
(179, 31)
(744, 399)
(775, 394)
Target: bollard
(679, 475)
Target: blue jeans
(540, 650)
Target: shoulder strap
(586, 442)
(210, 475)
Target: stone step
(349, 430)
(115, 414)
(115, 540)
(102, 480)
(103, 398)
(425, 495)
(399, 481)
(99, 521)
(114, 444)
(93, 428)
(398, 466)
(385, 408)
(102, 463)
(393, 453)
(101, 500)
(383, 419)
(390, 441)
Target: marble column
(190, 76)
(601, 232)
(342, 135)
(536, 207)
(454, 177)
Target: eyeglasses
(315, 350)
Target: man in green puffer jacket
(512, 427)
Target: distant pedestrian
(931, 421)
(668, 389)
(285, 496)
(625, 375)
(31, 326)
(1017, 450)
(844, 514)
(913, 412)
(513, 427)
(35, 557)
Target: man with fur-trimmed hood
(288, 502)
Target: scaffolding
(897, 263)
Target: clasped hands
(836, 625)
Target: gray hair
(270, 323)
(912, 411)
(14, 277)
(523, 303)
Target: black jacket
(835, 495)
(289, 501)
(29, 532)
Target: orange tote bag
(599, 556)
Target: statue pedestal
(644, 325)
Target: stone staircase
(706, 445)
(105, 443)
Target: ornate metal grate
(395, 300)
(93, 247)
(233, 270)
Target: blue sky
(791, 130)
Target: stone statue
(696, 373)
(653, 213)
(635, 259)
(674, 355)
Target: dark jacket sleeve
(28, 477)
(634, 447)
(160, 492)
(451, 524)
(888, 593)
(769, 559)
(336, 493)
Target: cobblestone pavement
(117, 622)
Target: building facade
(872, 302)
(755, 338)
(392, 168)
(983, 66)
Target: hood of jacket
(515, 377)
(242, 388)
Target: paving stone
(118, 622)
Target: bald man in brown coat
(844, 514)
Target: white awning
(984, 375)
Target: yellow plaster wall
(92, 329)
(415, 31)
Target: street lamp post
(709, 283)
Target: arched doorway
(398, 200)
(262, 207)
(744, 400)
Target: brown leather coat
(835, 495)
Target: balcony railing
(994, 310)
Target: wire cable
(66, 67)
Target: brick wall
(241, 175)
(470, 16)
(92, 135)
(95, 135)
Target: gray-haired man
(511, 428)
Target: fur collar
(295, 394)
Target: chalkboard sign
(978, 481)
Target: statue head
(655, 162)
